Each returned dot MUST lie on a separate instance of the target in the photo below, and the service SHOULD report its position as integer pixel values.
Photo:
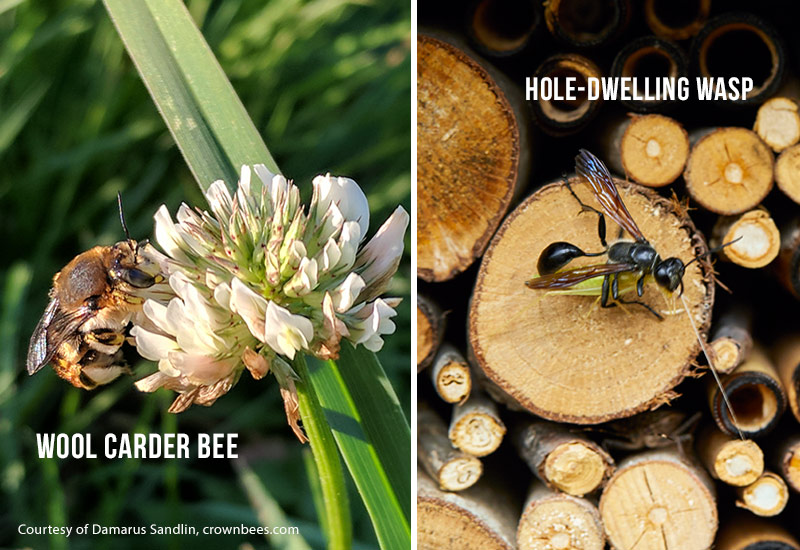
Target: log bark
(765, 497)
(562, 357)
(564, 117)
(787, 361)
(583, 25)
(430, 330)
(788, 461)
(473, 156)
(452, 469)
(554, 521)
(787, 172)
(778, 123)
(756, 395)
(731, 339)
(729, 171)
(562, 459)
(503, 27)
(480, 518)
(656, 500)
(451, 375)
(735, 461)
(754, 237)
(676, 21)
(476, 427)
(747, 532)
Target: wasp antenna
(712, 251)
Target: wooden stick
(674, 21)
(787, 172)
(655, 497)
(731, 339)
(583, 25)
(482, 517)
(754, 237)
(778, 123)
(729, 171)
(788, 459)
(474, 157)
(735, 461)
(452, 469)
(649, 59)
(787, 361)
(747, 532)
(430, 330)
(502, 27)
(756, 395)
(552, 353)
(744, 45)
(563, 117)
(766, 497)
(787, 266)
(649, 149)
(476, 427)
(451, 375)
(555, 521)
(562, 459)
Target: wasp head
(669, 274)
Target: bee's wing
(571, 277)
(604, 190)
(53, 329)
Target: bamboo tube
(787, 172)
(502, 27)
(755, 393)
(741, 45)
(554, 521)
(676, 20)
(747, 532)
(552, 353)
(564, 117)
(731, 339)
(787, 266)
(450, 375)
(452, 469)
(787, 361)
(754, 237)
(765, 497)
(729, 171)
(430, 330)
(648, 60)
(656, 497)
(788, 459)
(476, 427)
(481, 518)
(584, 24)
(562, 459)
(649, 149)
(778, 123)
(737, 462)
(473, 158)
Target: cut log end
(554, 521)
(787, 172)
(452, 469)
(476, 427)
(729, 171)
(562, 357)
(754, 237)
(451, 375)
(739, 462)
(765, 497)
(727, 354)
(467, 169)
(576, 468)
(430, 330)
(790, 463)
(654, 150)
(778, 123)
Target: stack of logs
(545, 421)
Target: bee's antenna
(125, 226)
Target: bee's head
(669, 274)
(130, 266)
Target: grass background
(327, 83)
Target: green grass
(327, 84)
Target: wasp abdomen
(556, 256)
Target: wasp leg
(601, 219)
(651, 310)
(640, 286)
(605, 291)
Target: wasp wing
(571, 277)
(604, 190)
(55, 327)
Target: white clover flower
(260, 278)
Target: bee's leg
(601, 220)
(104, 340)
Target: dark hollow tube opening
(754, 406)
(503, 25)
(740, 51)
(677, 14)
(649, 63)
(586, 19)
(569, 105)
